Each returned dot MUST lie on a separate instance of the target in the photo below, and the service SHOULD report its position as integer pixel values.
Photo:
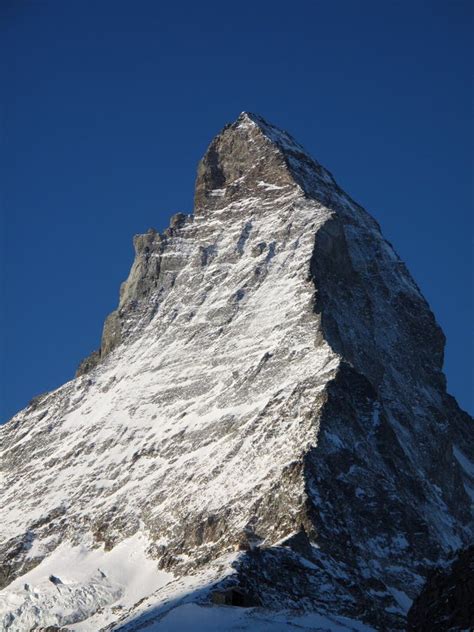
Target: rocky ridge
(267, 410)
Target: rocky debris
(446, 602)
(270, 388)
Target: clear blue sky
(108, 106)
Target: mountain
(265, 425)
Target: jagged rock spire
(238, 161)
(250, 156)
(271, 365)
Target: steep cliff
(266, 423)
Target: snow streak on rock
(265, 423)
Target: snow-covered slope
(265, 424)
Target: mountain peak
(282, 139)
(266, 422)
(251, 155)
(248, 117)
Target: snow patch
(466, 464)
(73, 583)
(196, 618)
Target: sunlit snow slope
(264, 425)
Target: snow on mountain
(265, 425)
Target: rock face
(447, 600)
(136, 305)
(266, 419)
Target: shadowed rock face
(447, 599)
(267, 406)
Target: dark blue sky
(108, 106)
